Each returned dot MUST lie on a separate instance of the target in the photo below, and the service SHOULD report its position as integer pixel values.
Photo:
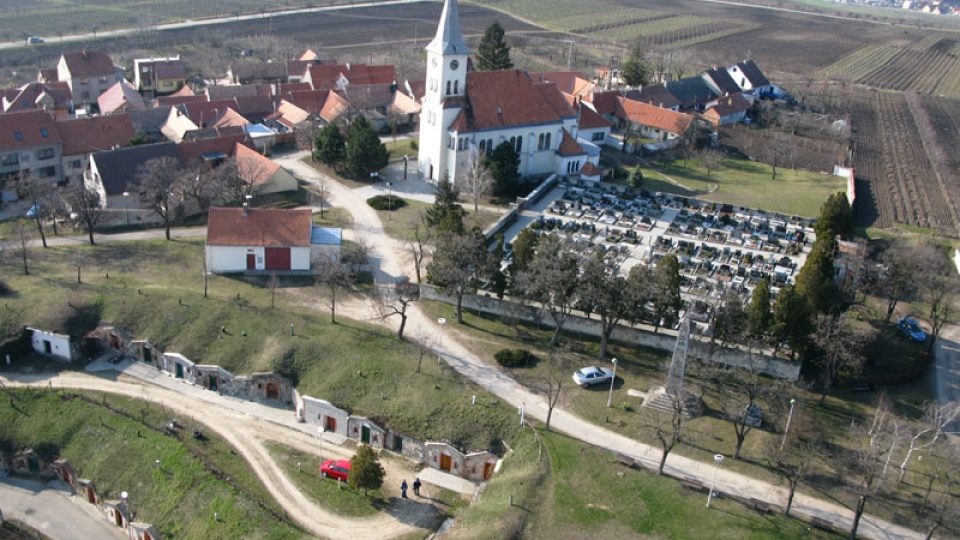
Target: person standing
(416, 487)
(403, 489)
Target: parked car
(592, 375)
(32, 211)
(33, 40)
(336, 469)
(911, 328)
(753, 416)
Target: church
(466, 114)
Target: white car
(592, 375)
(33, 40)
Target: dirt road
(247, 434)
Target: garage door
(278, 258)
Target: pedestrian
(403, 489)
(416, 487)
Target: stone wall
(664, 340)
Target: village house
(112, 173)
(120, 98)
(258, 239)
(345, 76)
(88, 74)
(30, 145)
(727, 110)
(159, 76)
(257, 72)
(693, 93)
(84, 136)
(53, 97)
(447, 458)
(652, 122)
(53, 344)
(261, 173)
(720, 81)
(750, 78)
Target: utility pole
(570, 42)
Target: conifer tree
(635, 71)
(366, 473)
(504, 166)
(493, 54)
(330, 147)
(365, 153)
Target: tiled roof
(120, 95)
(286, 88)
(88, 135)
(309, 100)
(169, 69)
(325, 76)
(732, 104)
(268, 227)
(289, 114)
(691, 91)
(308, 54)
(753, 73)
(569, 146)
(253, 166)
(229, 118)
(297, 68)
(89, 64)
(183, 91)
(721, 77)
(25, 97)
(245, 71)
(48, 75)
(370, 96)
(654, 94)
(499, 99)
(150, 120)
(605, 102)
(191, 152)
(654, 117)
(333, 107)
(178, 100)
(118, 168)
(589, 169)
(417, 88)
(27, 129)
(216, 92)
(572, 83)
(590, 119)
(205, 112)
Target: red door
(251, 261)
(277, 258)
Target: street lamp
(441, 321)
(320, 434)
(717, 460)
(126, 208)
(612, 379)
(786, 429)
(389, 199)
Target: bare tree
(424, 340)
(865, 466)
(230, 184)
(200, 184)
(418, 249)
(331, 276)
(476, 183)
(936, 419)
(273, 283)
(940, 293)
(306, 133)
(897, 276)
(795, 455)
(459, 263)
(711, 159)
(37, 192)
(550, 383)
(159, 182)
(739, 391)
(839, 349)
(22, 233)
(322, 191)
(206, 273)
(602, 292)
(79, 259)
(391, 300)
(552, 280)
(667, 428)
(947, 510)
(86, 204)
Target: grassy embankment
(118, 451)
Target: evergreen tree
(445, 215)
(815, 280)
(366, 473)
(330, 147)
(635, 180)
(758, 316)
(791, 322)
(493, 54)
(635, 71)
(524, 247)
(666, 300)
(835, 218)
(504, 165)
(365, 153)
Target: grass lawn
(342, 500)
(641, 369)
(117, 452)
(400, 223)
(746, 183)
(403, 147)
(154, 289)
(334, 217)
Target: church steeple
(449, 38)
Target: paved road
(54, 512)
(393, 261)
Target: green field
(746, 183)
(117, 453)
(400, 223)
(154, 289)
(403, 147)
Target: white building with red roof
(465, 114)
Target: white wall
(300, 258)
(234, 258)
(59, 344)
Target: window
(448, 88)
(103, 79)
(519, 146)
(10, 159)
(598, 136)
(490, 145)
(483, 147)
(456, 87)
(18, 135)
(540, 142)
(46, 153)
(44, 133)
(84, 81)
(543, 141)
(47, 171)
(77, 163)
(547, 143)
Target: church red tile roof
(498, 99)
(589, 119)
(589, 169)
(569, 146)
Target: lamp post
(126, 208)
(389, 199)
(612, 380)
(786, 429)
(320, 434)
(717, 460)
(441, 321)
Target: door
(331, 424)
(147, 354)
(445, 462)
(33, 465)
(47, 348)
(398, 444)
(118, 518)
(277, 258)
(272, 391)
(251, 261)
(212, 383)
(178, 370)
(487, 470)
(365, 434)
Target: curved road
(54, 512)
(394, 260)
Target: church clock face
(454, 65)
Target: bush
(514, 357)
(414, 145)
(386, 202)
(5, 289)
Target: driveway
(53, 511)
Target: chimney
(348, 66)
(246, 209)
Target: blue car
(911, 328)
(32, 212)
